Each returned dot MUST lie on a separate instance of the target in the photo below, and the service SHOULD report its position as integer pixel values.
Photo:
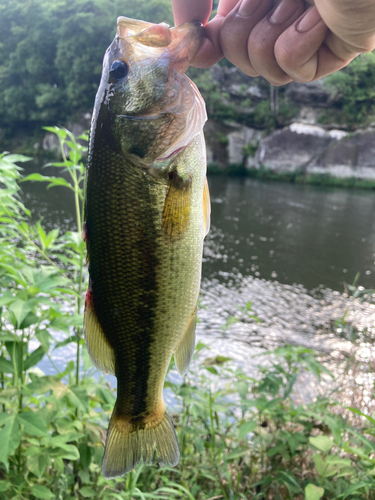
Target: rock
(293, 147)
(240, 138)
(308, 115)
(50, 142)
(311, 150)
(238, 84)
(312, 94)
(351, 156)
(216, 136)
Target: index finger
(192, 10)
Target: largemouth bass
(147, 213)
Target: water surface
(289, 250)
(285, 232)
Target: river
(289, 250)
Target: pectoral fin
(100, 351)
(206, 208)
(185, 350)
(177, 208)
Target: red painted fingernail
(248, 7)
(283, 11)
(310, 19)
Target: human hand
(282, 41)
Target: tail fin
(128, 444)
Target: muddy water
(287, 249)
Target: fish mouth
(182, 41)
(185, 42)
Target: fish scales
(147, 212)
(136, 274)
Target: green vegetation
(354, 91)
(51, 55)
(249, 438)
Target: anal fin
(184, 352)
(100, 351)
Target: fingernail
(310, 19)
(248, 7)
(283, 11)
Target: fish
(147, 211)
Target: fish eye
(119, 69)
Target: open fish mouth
(181, 41)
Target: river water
(288, 249)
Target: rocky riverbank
(297, 147)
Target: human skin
(283, 41)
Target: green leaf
(4, 486)
(245, 428)
(6, 299)
(87, 492)
(313, 492)
(40, 491)
(10, 438)
(31, 319)
(105, 395)
(358, 412)
(6, 396)
(49, 383)
(15, 352)
(85, 454)
(36, 177)
(67, 341)
(34, 358)
(79, 398)
(44, 338)
(33, 423)
(6, 366)
(67, 451)
(38, 464)
(355, 488)
(322, 443)
(65, 438)
(20, 309)
(13, 158)
(237, 453)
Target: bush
(354, 91)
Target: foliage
(51, 60)
(240, 437)
(51, 54)
(353, 90)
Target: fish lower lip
(178, 150)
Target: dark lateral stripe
(122, 244)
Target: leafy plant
(240, 437)
(353, 90)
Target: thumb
(191, 10)
(351, 24)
